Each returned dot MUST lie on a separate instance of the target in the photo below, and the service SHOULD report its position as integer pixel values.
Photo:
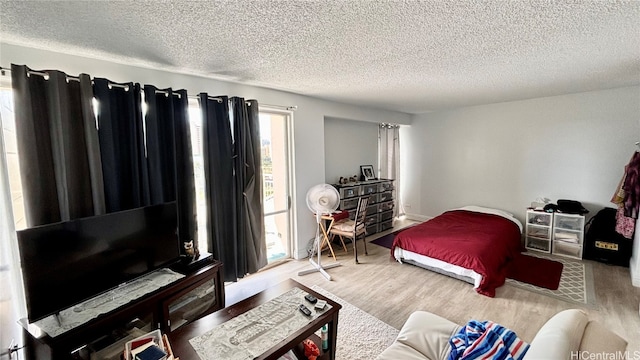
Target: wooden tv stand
(160, 306)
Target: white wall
(347, 145)
(308, 120)
(634, 263)
(505, 155)
(410, 170)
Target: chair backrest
(361, 211)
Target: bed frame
(440, 271)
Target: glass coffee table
(264, 326)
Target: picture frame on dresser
(367, 172)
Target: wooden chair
(353, 229)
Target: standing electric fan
(322, 199)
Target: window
(11, 149)
(276, 182)
(195, 118)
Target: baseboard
(635, 272)
(301, 254)
(418, 217)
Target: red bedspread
(484, 243)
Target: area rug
(576, 282)
(536, 271)
(386, 240)
(361, 336)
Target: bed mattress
(473, 244)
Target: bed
(474, 244)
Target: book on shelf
(150, 351)
(142, 348)
(150, 346)
(140, 342)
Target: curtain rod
(288, 108)
(4, 70)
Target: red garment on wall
(625, 226)
(631, 187)
(627, 197)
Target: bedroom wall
(506, 155)
(347, 145)
(308, 120)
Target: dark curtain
(170, 157)
(248, 177)
(121, 133)
(219, 183)
(160, 145)
(58, 146)
(233, 179)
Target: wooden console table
(180, 338)
(39, 345)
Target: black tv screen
(66, 263)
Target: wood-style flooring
(391, 292)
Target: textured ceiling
(411, 56)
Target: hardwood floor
(391, 292)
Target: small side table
(325, 226)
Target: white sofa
(426, 336)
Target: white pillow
(486, 210)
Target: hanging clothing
(618, 196)
(627, 198)
(625, 226)
(631, 187)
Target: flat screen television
(66, 263)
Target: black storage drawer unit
(603, 243)
(380, 193)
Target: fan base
(320, 268)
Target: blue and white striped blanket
(486, 340)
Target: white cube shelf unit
(538, 231)
(568, 235)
